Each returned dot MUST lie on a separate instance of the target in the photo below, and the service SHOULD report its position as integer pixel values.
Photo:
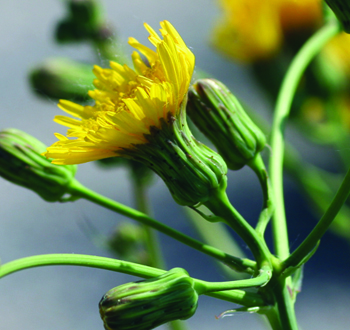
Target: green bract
(192, 171)
(219, 115)
(149, 303)
(21, 163)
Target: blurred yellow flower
(254, 30)
(337, 52)
(127, 102)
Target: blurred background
(67, 297)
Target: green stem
(284, 101)
(220, 205)
(116, 265)
(311, 240)
(258, 166)
(262, 279)
(76, 189)
(152, 242)
(285, 306)
(273, 318)
(217, 234)
(234, 296)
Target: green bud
(128, 243)
(84, 22)
(149, 303)
(21, 163)
(341, 9)
(219, 115)
(192, 171)
(61, 78)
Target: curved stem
(221, 206)
(217, 234)
(258, 166)
(311, 240)
(284, 102)
(78, 190)
(235, 296)
(116, 265)
(262, 279)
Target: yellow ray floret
(127, 102)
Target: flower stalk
(234, 296)
(79, 191)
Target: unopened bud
(21, 163)
(83, 22)
(220, 116)
(146, 304)
(128, 243)
(61, 78)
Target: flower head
(127, 102)
(254, 30)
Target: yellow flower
(337, 53)
(127, 102)
(254, 30)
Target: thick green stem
(78, 190)
(311, 240)
(258, 166)
(220, 205)
(285, 306)
(235, 296)
(284, 101)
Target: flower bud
(219, 115)
(83, 22)
(21, 163)
(62, 78)
(146, 304)
(128, 242)
(341, 9)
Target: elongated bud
(62, 78)
(219, 115)
(192, 171)
(149, 303)
(341, 9)
(21, 163)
